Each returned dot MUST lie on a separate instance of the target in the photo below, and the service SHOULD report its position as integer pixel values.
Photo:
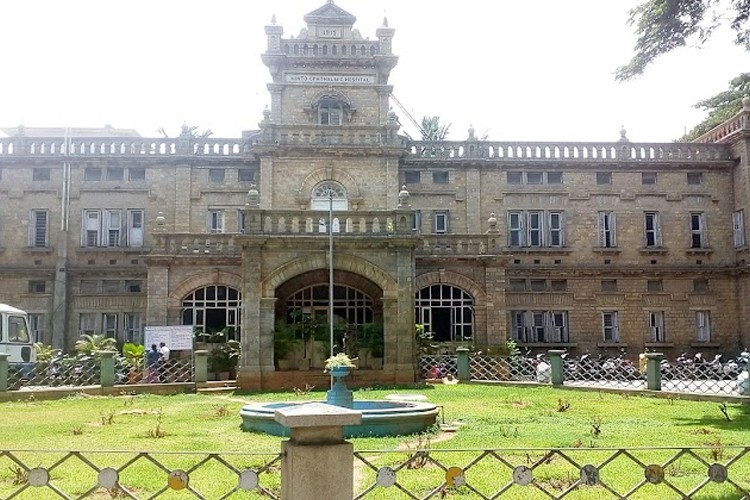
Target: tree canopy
(720, 107)
(664, 25)
(432, 130)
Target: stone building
(591, 247)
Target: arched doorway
(447, 311)
(212, 309)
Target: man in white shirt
(163, 362)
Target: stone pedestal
(317, 462)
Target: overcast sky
(538, 70)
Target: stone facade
(593, 247)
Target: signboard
(328, 79)
(177, 338)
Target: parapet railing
(315, 222)
(578, 151)
(121, 147)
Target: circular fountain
(379, 417)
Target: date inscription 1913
(330, 32)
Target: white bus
(15, 338)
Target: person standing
(163, 362)
(153, 362)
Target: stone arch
(342, 262)
(337, 94)
(329, 174)
(202, 279)
(451, 278)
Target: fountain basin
(379, 418)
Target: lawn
(481, 417)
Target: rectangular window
(700, 285)
(245, 175)
(440, 178)
(554, 177)
(558, 285)
(41, 174)
(36, 324)
(109, 325)
(37, 287)
(132, 325)
(92, 174)
(133, 286)
(215, 221)
(441, 222)
(697, 230)
(609, 286)
(610, 326)
(738, 228)
(136, 174)
(87, 323)
(652, 230)
(91, 228)
(216, 175)
(603, 178)
(515, 177)
(607, 233)
(111, 286)
(656, 326)
(39, 228)
(556, 230)
(536, 228)
(540, 326)
(135, 228)
(702, 326)
(694, 178)
(411, 177)
(89, 286)
(654, 286)
(115, 173)
(538, 285)
(534, 178)
(517, 285)
(648, 178)
(416, 221)
(112, 228)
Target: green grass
(487, 417)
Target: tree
(189, 130)
(432, 130)
(664, 25)
(720, 107)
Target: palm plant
(89, 345)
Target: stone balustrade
(312, 223)
(556, 151)
(186, 244)
(720, 132)
(308, 48)
(120, 146)
(461, 244)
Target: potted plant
(223, 361)
(339, 365)
(134, 355)
(285, 342)
(373, 344)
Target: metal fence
(611, 373)
(420, 473)
(576, 473)
(119, 474)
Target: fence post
(462, 363)
(4, 371)
(653, 370)
(316, 460)
(201, 366)
(107, 365)
(556, 366)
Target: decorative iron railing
(130, 474)
(582, 473)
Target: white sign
(177, 338)
(329, 79)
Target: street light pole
(330, 267)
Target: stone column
(248, 373)
(497, 332)
(201, 366)
(158, 295)
(317, 462)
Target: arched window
(212, 309)
(447, 312)
(329, 193)
(330, 111)
(349, 304)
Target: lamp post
(330, 269)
